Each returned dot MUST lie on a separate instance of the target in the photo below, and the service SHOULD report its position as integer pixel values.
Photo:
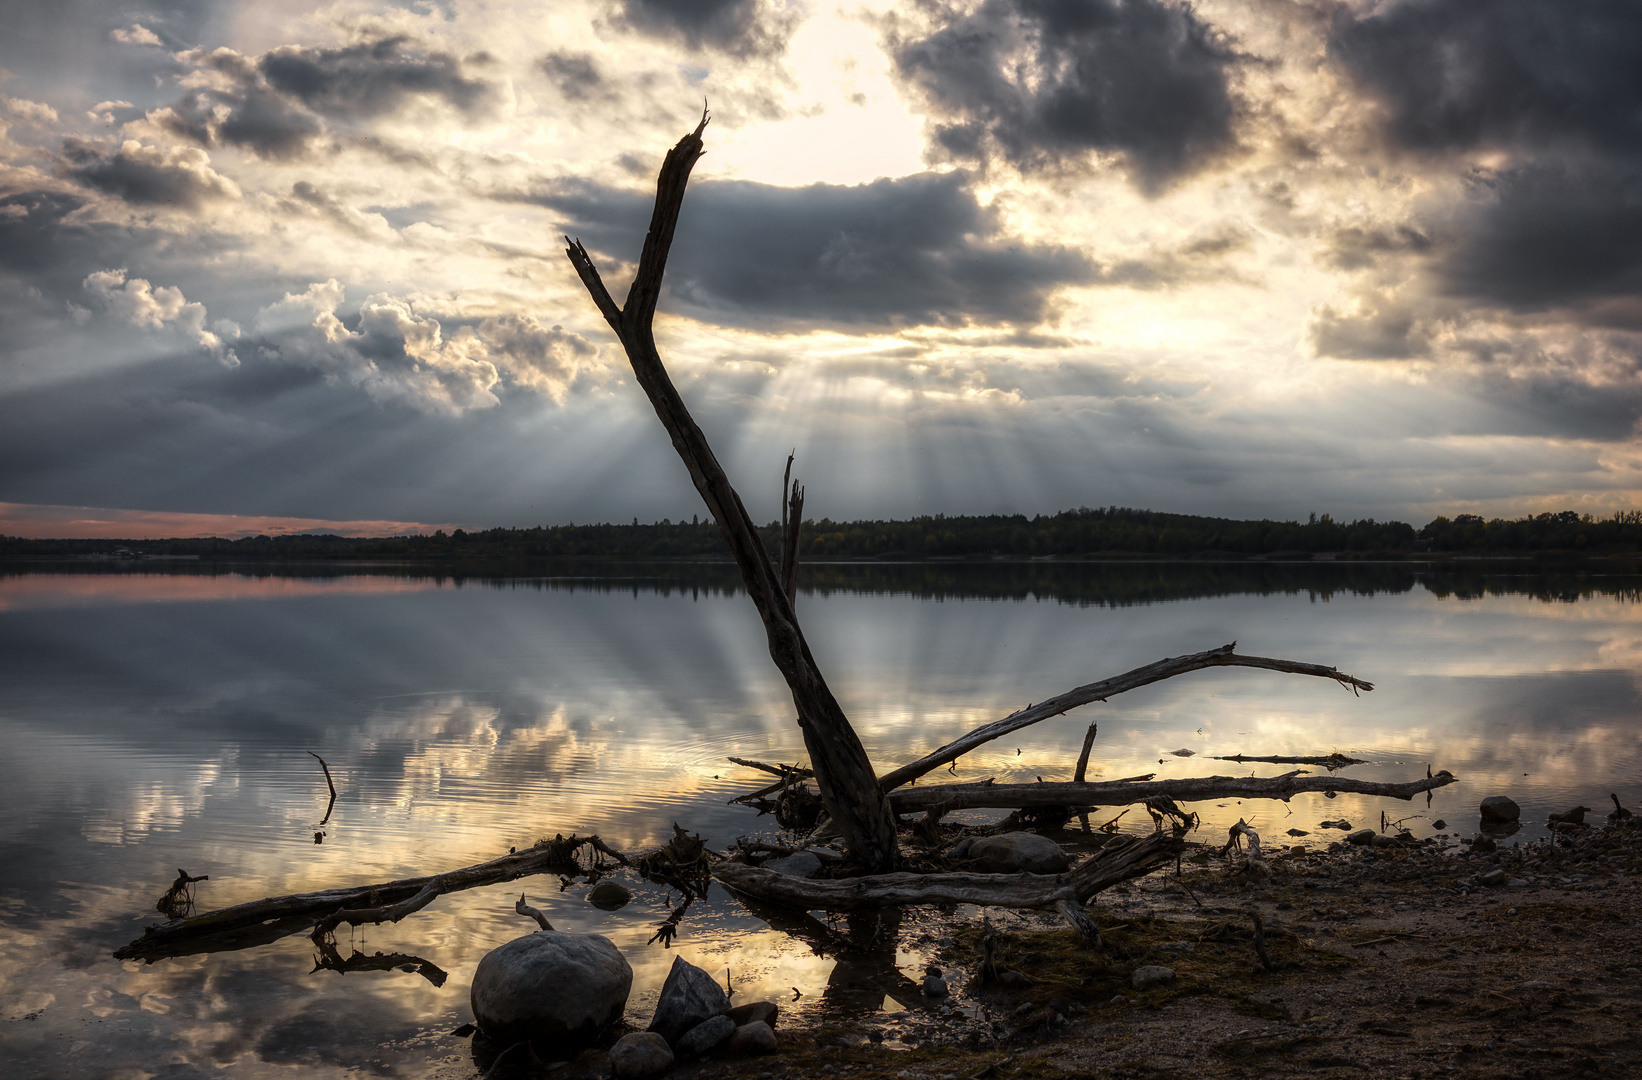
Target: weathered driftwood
(302, 911)
(843, 772)
(1113, 864)
(1167, 668)
(1330, 762)
(945, 797)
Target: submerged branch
(1167, 668)
(1331, 762)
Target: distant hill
(1112, 532)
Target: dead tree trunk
(848, 785)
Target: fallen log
(302, 911)
(1113, 864)
(946, 797)
(1167, 668)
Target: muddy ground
(1385, 962)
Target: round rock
(764, 1011)
(1152, 975)
(1018, 853)
(640, 1053)
(609, 895)
(705, 1036)
(1500, 808)
(752, 1039)
(557, 990)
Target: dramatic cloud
(1455, 74)
(276, 105)
(143, 175)
(574, 73)
(138, 302)
(1047, 84)
(742, 28)
(1554, 235)
(919, 250)
(400, 355)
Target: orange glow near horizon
(44, 522)
(33, 591)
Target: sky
(283, 266)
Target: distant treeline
(1071, 534)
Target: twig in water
(332, 804)
(525, 909)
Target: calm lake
(157, 719)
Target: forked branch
(1167, 668)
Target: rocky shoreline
(1410, 958)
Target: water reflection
(163, 720)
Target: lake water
(151, 721)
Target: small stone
(638, 1054)
(804, 864)
(1493, 878)
(1439, 824)
(705, 1036)
(935, 987)
(609, 895)
(764, 1012)
(1515, 883)
(1297, 849)
(752, 1039)
(1151, 975)
(1382, 840)
(1500, 808)
(1298, 832)
(1018, 852)
(1361, 836)
(1484, 845)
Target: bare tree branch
(1167, 668)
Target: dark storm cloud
(143, 175)
(1458, 74)
(371, 78)
(743, 28)
(908, 251)
(1357, 247)
(575, 74)
(1556, 235)
(1046, 83)
(276, 105)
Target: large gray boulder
(1018, 853)
(689, 997)
(558, 990)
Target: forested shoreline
(1111, 532)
